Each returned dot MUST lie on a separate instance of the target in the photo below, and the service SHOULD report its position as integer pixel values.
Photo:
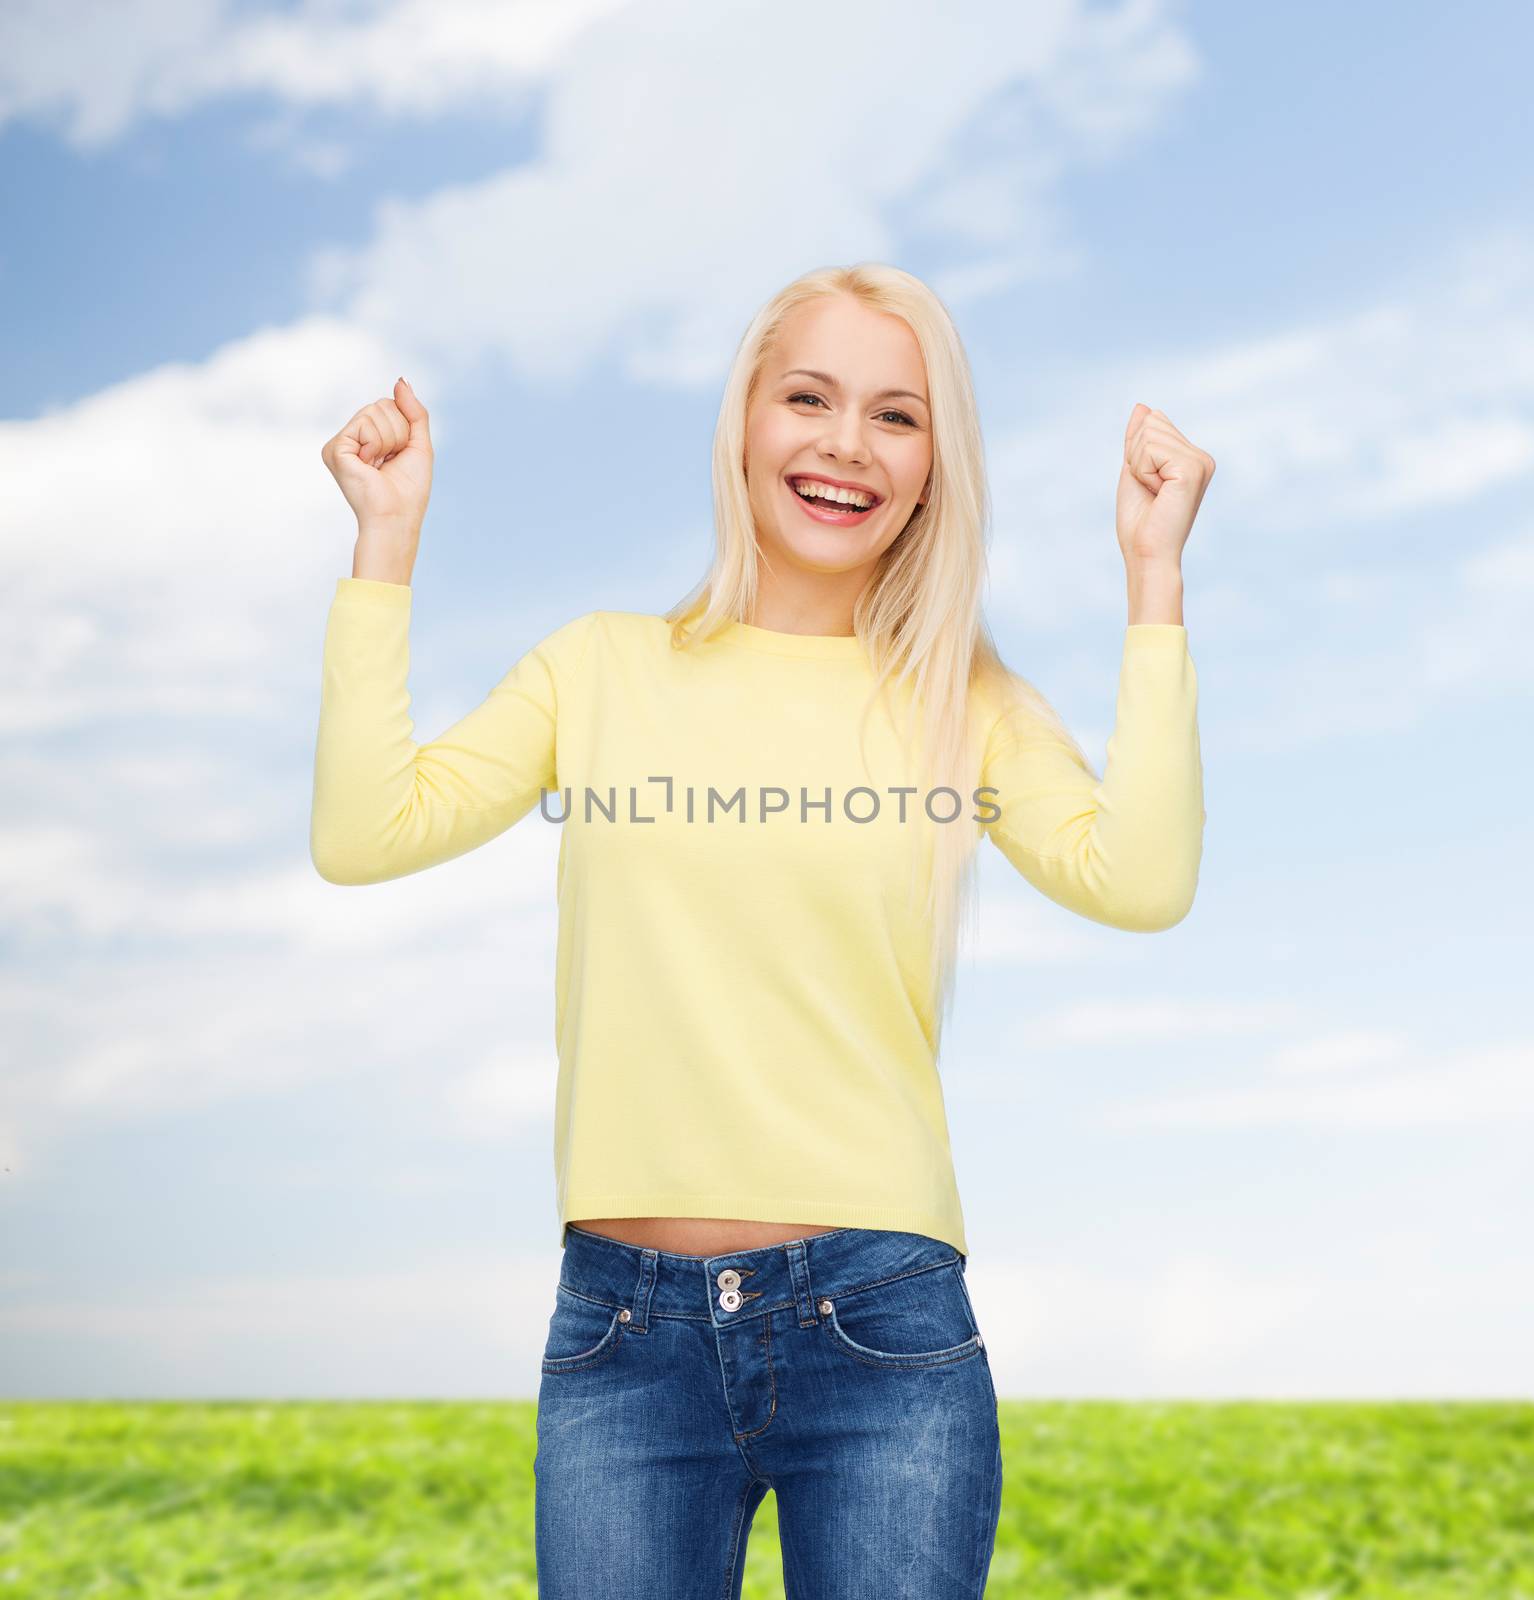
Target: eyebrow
(831, 383)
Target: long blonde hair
(919, 617)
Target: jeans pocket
(582, 1332)
(920, 1320)
(990, 1376)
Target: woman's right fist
(382, 460)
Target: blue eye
(889, 413)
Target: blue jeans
(844, 1371)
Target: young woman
(770, 801)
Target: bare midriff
(697, 1236)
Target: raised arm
(1124, 850)
(385, 806)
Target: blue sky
(263, 1136)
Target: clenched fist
(382, 460)
(1161, 486)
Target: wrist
(383, 556)
(1155, 591)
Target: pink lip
(838, 483)
(835, 519)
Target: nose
(845, 442)
(844, 438)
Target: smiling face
(863, 420)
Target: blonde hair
(919, 617)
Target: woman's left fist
(1160, 486)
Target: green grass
(1102, 1501)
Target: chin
(829, 554)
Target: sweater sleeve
(385, 806)
(1125, 850)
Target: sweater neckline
(827, 646)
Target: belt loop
(799, 1274)
(649, 1261)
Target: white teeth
(810, 490)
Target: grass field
(1102, 1501)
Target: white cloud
(1196, 1323)
(205, 990)
(68, 882)
(1098, 1022)
(1018, 927)
(1146, 1028)
(1343, 1051)
(1491, 1087)
(1509, 565)
(100, 68)
(163, 532)
(1197, 1310)
(503, 1095)
(461, 1326)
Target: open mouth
(839, 513)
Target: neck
(813, 602)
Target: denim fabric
(849, 1377)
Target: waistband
(771, 1277)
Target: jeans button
(729, 1279)
(730, 1299)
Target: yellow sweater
(742, 1011)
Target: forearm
(1123, 850)
(366, 816)
(384, 805)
